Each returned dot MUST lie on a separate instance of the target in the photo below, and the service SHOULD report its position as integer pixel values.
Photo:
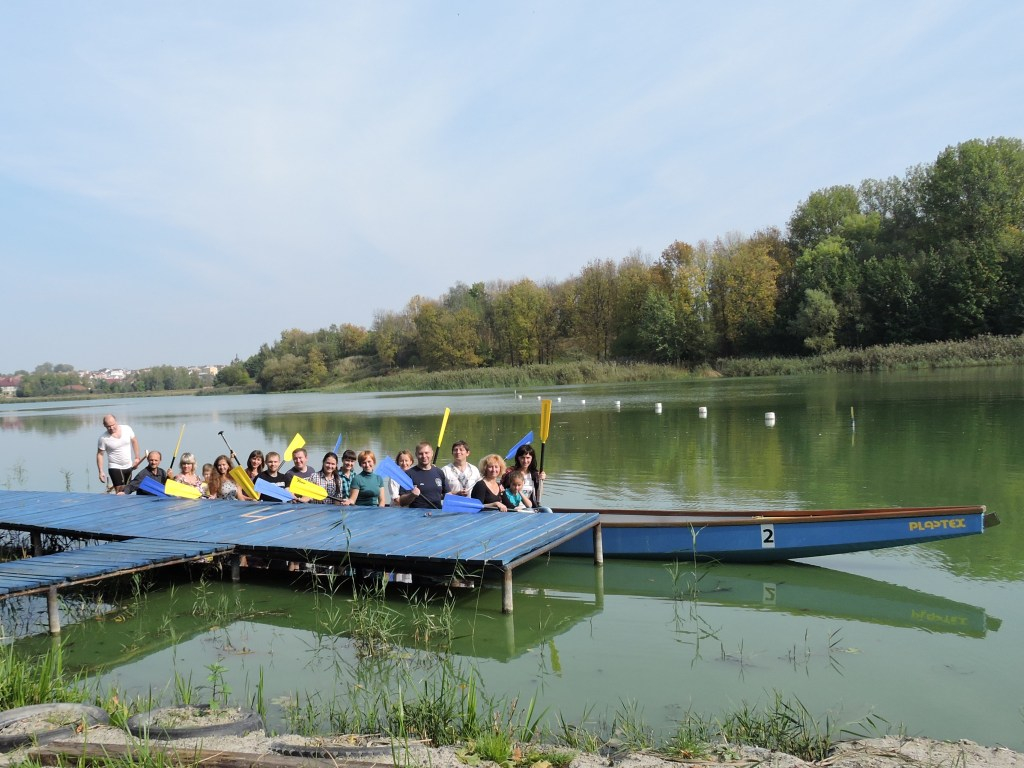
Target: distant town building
(9, 385)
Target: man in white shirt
(119, 446)
(460, 474)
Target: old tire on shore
(48, 728)
(155, 723)
(326, 750)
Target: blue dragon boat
(770, 535)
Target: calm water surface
(928, 636)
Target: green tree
(891, 300)
(658, 327)
(684, 273)
(960, 284)
(445, 340)
(821, 215)
(816, 321)
(832, 267)
(975, 190)
(596, 305)
(283, 374)
(633, 277)
(517, 313)
(743, 292)
(316, 367)
(233, 375)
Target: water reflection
(551, 598)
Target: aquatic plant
(39, 679)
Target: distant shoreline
(978, 352)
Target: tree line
(49, 380)
(934, 255)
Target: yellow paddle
(175, 456)
(182, 490)
(297, 442)
(545, 428)
(238, 473)
(440, 435)
(302, 487)
(243, 481)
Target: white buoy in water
(702, 412)
(618, 405)
(520, 397)
(769, 419)
(538, 397)
(657, 407)
(559, 399)
(583, 402)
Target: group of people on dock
(492, 484)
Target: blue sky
(181, 181)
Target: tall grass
(35, 680)
(980, 351)
(517, 377)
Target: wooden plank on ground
(63, 752)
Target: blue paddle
(273, 491)
(527, 439)
(452, 502)
(387, 468)
(152, 485)
(337, 445)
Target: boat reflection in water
(793, 588)
(551, 598)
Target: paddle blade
(526, 440)
(387, 468)
(454, 503)
(337, 445)
(243, 481)
(297, 442)
(181, 490)
(264, 488)
(444, 423)
(152, 485)
(545, 420)
(302, 487)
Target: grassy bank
(452, 709)
(518, 377)
(983, 350)
(980, 351)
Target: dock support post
(52, 614)
(236, 568)
(506, 591)
(598, 546)
(37, 543)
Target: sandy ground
(888, 752)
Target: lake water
(928, 636)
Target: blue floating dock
(76, 566)
(389, 538)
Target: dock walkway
(484, 544)
(98, 561)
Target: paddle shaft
(440, 435)
(540, 480)
(231, 452)
(545, 428)
(174, 458)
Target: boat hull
(760, 537)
